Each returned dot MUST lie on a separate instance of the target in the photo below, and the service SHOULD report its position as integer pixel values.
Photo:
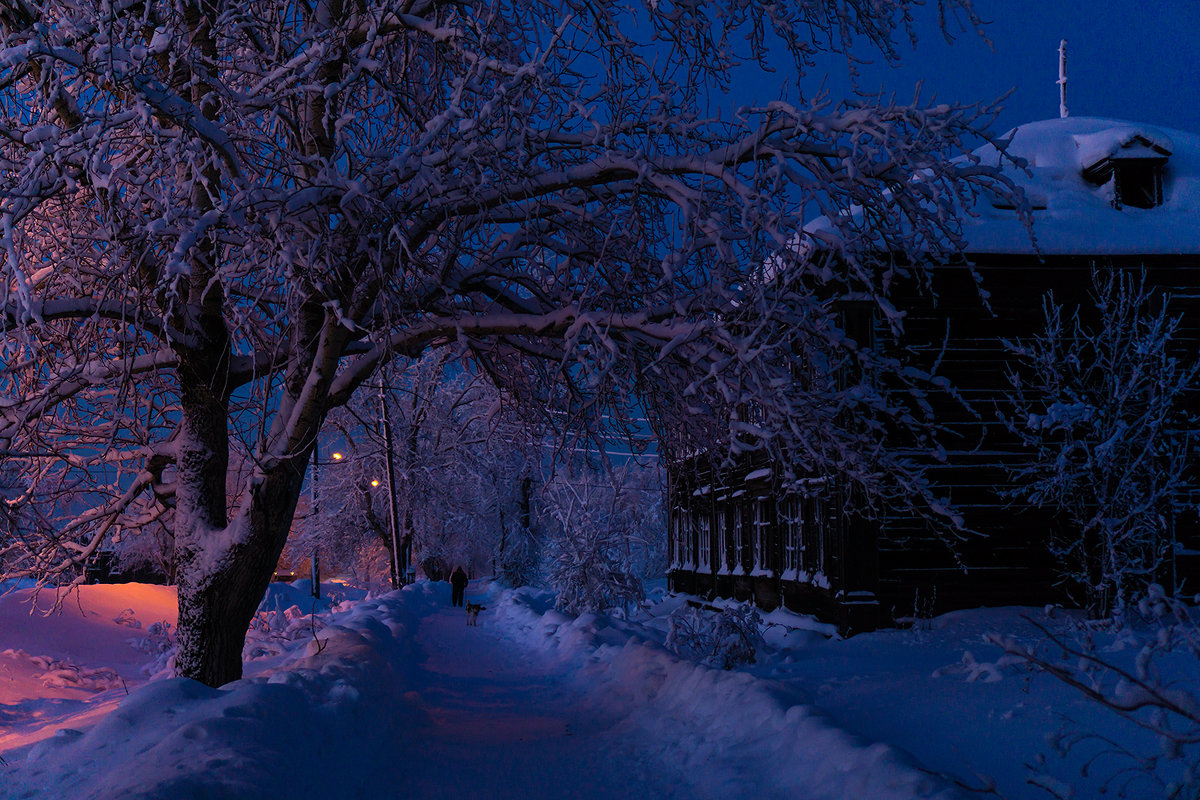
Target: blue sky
(1128, 59)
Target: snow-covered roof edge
(1073, 215)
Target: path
(506, 724)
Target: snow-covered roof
(1073, 215)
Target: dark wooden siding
(873, 572)
(1006, 559)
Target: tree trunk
(213, 618)
(217, 601)
(381, 532)
(1098, 596)
(201, 505)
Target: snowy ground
(69, 669)
(397, 696)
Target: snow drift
(698, 715)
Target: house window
(858, 322)
(685, 553)
(743, 554)
(720, 558)
(1138, 182)
(761, 557)
(813, 547)
(792, 523)
(704, 551)
(678, 529)
(1135, 171)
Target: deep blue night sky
(1127, 59)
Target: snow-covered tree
(219, 220)
(518, 553)
(347, 525)
(474, 484)
(457, 456)
(145, 548)
(600, 528)
(1101, 398)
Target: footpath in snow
(398, 697)
(503, 721)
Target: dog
(473, 610)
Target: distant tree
(457, 456)
(1101, 397)
(219, 220)
(458, 459)
(518, 554)
(146, 547)
(348, 523)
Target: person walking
(458, 586)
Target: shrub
(587, 572)
(726, 639)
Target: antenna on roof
(1062, 79)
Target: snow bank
(92, 624)
(282, 596)
(67, 660)
(313, 727)
(698, 715)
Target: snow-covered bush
(160, 643)
(58, 674)
(586, 571)
(727, 638)
(597, 534)
(272, 630)
(1153, 686)
(1099, 397)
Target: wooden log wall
(875, 572)
(1006, 561)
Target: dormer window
(1136, 171)
(1139, 182)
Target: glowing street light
(375, 483)
(337, 456)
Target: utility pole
(315, 572)
(398, 575)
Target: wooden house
(1105, 194)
